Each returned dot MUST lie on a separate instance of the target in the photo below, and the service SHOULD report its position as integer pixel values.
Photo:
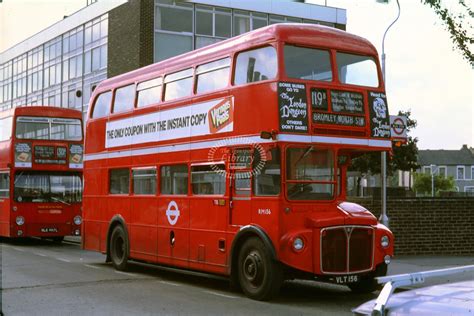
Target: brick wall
(425, 226)
(130, 39)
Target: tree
(405, 156)
(459, 25)
(423, 183)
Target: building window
(212, 25)
(144, 181)
(469, 190)
(442, 171)
(174, 180)
(426, 169)
(472, 172)
(176, 16)
(256, 65)
(169, 45)
(119, 180)
(460, 173)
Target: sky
(423, 72)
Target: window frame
(336, 75)
(132, 178)
(109, 191)
(287, 181)
(204, 164)
(95, 104)
(167, 81)
(148, 85)
(458, 167)
(210, 70)
(160, 179)
(236, 54)
(8, 182)
(114, 98)
(332, 62)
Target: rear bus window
(144, 181)
(256, 65)
(149, 92)
(124, 99)
(307, 63)
(179, 84)
(213, 75)
(102, 105)
(119, 180)
(208, 179)
(174, 179)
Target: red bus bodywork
(208, 232)
(32, 165)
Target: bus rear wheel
(260, 277)
(119, 248)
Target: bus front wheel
(119, 248)
(260, 276)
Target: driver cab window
(310, 173)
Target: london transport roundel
(172, 213)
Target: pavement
(410, 264)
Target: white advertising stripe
(238, 141)
(199, 119)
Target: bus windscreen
(48, 187)
(47, 128)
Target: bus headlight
(384, 241)
(20, 220)
(78, 220)
(298, 244)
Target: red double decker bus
(232, 159)
(41, 161)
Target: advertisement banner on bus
(211, 117)
(23, 155)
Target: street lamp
(383, 172)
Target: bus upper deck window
(213, 76)
(149, 92)
(357, 70)
(124, 99)
(307, 63)
(102, 105)
(179, 84)
(256, 65)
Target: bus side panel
(5, 217)
(143, 229)
(209, 222)
(173, 230)
(94, 206)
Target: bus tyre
(368, 284)
(119, 248)
(260, 276)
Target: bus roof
(297, 33)
(42, 110)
